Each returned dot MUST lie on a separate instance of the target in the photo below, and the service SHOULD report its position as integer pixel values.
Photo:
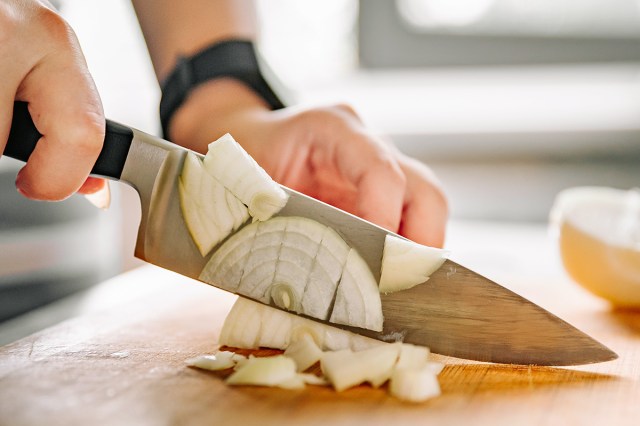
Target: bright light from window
(446, 13)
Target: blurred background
(508, 101)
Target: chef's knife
(457, 312)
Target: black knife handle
(24, 136)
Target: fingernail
(20, 186)
(102, 198)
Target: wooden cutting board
(124, 365)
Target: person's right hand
(42, 64)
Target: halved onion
(599, 239)
(298, 264)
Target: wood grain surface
(124, 365)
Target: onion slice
(304, 351)
(209, 210)
(220, 361)
(267, 371)
(227, 161)
(406, 264)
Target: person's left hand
(324, 152)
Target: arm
(324, 152)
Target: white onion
(304, 351)
(406, 264)
(230, 164)
(210, 211)
(298, 264)
(414, 385)
(266, 371)
(220, 361)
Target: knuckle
(86, 134)
(384, 163)
(344, 108)
(9, 24)
(57, 29)
(334, 115)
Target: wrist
(219, 106)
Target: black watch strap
(230, 58)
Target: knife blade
(457, 312)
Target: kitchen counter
(122, 360)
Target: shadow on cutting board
(629, 318)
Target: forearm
(173, 28)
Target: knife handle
(24, 136)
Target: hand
(43, 65)
(325, 153)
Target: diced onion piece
(296, 382)
(268, 371)
(435, 367)
(238, 172)
(304, 351)
(357, 298)
(414, 385)
(412, 356)
(220, 361)
(210, 211)
(276, 329)
(346, 369)
(312, 379)
(406, 264)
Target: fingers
(366, 163)
(375, 181)
(92, 185)
(426, 210)
(63, 103)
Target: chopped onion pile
(299, 265)
(231, 165)
(411, 376)
(406, 264)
